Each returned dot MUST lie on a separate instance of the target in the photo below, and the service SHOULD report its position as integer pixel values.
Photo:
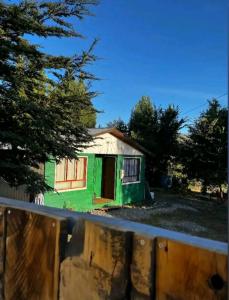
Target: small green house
(109, 172)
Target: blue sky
(174, 51)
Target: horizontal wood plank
(119, 224)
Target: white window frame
(132, 182)
(74, 189)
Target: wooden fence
(48, 253)
(12, 192)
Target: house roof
(118, 134)
(98, 131)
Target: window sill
(69, 190)
(133, 182)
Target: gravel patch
(183, 226)
(186, 207)
(129, 213)
(168, 208)
(192, 226)
(199, 218)
(100, 213)
(144, 212)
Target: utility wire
(188, 111)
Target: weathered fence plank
(12, 192)
(187, 272)
(100, 268)
(32, 256)
(142, 267)
(106, 258)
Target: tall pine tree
(82, 109)
(204, 152)
(157, 130)
(143, 122)
(35, 122)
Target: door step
(109, 208)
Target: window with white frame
(131, 167)
(71, 174)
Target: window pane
(60, 171)
(132, 167)
(63, 185)
(131, 170)
(126, 166)
(71, 173)
(80, 168)
(78, 184)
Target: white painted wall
(108, 144)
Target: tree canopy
(82, 108)
(36, 122)
(157, 130)
(204, 151)
(201, 154)
(143, 122)
(120, 125)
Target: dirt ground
(180, 213)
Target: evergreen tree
(143, 123)
(120, 125)
(157, 130)
(35, 122)
(82, 108)
(204, 153)
(169, 125)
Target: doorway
(108, 178)
(105, 179)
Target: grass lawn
(180, 213)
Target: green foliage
(120, 125)
(204, 152)
(82, 108)
(143, 122)
(36, 122)
(169, 126)
(157, 130)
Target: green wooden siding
(82, 200)
(129, 193)
(98, 176)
